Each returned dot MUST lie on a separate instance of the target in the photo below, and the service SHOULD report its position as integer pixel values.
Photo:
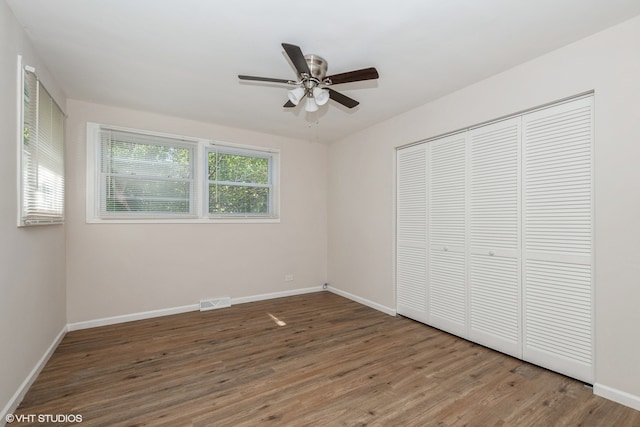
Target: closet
(494, 235)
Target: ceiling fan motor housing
(317, 66)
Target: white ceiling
(182, 57)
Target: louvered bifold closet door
(557, 270)
(411, 232)
(447, 234)
(494, 230)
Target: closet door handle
(446, 248)
(492, 253)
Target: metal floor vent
(211, 304)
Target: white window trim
(200, 186)
(19, 127)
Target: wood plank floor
(334, 363)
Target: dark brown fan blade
(288, 104)
(264, 79)
(342, 99)
(297, 58)
(354, 76)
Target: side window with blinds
(141, 176)
(42, 155)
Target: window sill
(230, 220)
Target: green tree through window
(238, 183)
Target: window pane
(42, 188)
(225, 167)
(145, 174)
(150, 160)
(232, 199)
(144, 195)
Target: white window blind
(143, 175)
(42, 155)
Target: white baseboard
(363, 301)
(131, 317)
(618, 396)
(17, 397)
(273, 295)
(182, 309)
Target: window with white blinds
(137, 175)
(143, 175)
(42, 155)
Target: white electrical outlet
(288, 278)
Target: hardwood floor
(334, 363)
